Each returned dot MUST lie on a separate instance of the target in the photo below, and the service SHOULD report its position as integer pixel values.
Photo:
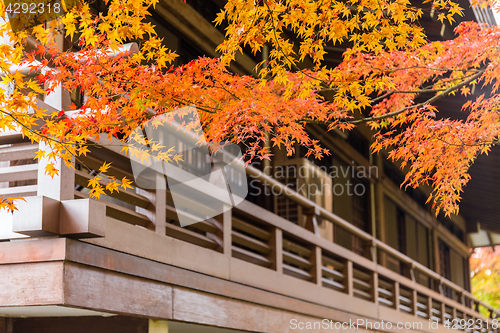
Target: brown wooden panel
(31, 284)
(115, 324)
(194, 306)
(103, 290)
(22, 251)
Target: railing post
(443, 312)
(276, 255)
(317, 269)
(61, 186)
(395, 295)
(371, 250)
(461, 298)
(429, 307)
(312, 219)
(160, 205)
(349, 278)
(414, 302)
(227, 232)
(374, 287)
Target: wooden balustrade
(259, 237)
(18, 170)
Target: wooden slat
(405, 308)
(332, 262)
(95, 163)
(207, 226)
(361, 275)
(332, 284)
(360, 284)
(19, 191)
(294, 247)
(296, 260)
(250, 257)
(82, 178)
(421, 306)
(385, 302)
(18, 172)
(251, 229)
(405, 300)
(11, 136)
(250, 242)
(190, 236)
(19, 152)
(422, 314)
(385, 292)
(296, 272)
(362, 294)
(333, 273)
(121, 213)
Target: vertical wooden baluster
(160, 205)
(443, 312)
(59, 187)
(429, 307)
(414, 302)
(276, 255)
(317, 269)
(348, 278)
(227, 232)
(374, 287)
(395, 295)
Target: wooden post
(227, 232)
(6, 325)
(276, 255)
(158, 326)
(414, 302)
(61, 186)
(395, 295)
(429, 307)
(312, 220)
(160, 205)
(443, 312)
(374, 287)
(317, 269)
(349, 278)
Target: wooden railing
(259, 237)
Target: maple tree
(485, 271)
(389, 63)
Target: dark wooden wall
(115, 324)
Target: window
(406, 235)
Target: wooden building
(360, 249)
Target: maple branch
(283, 53)
(429, 101)
(429, 68)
